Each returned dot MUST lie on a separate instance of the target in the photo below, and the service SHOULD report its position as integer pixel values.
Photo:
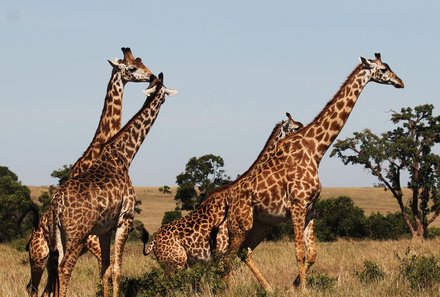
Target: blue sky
(238, 67)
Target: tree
(407, 148)
(15, 199)
(62, 173)
(165, 189)
(201, 176)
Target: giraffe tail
(215, 230)
(147, 249)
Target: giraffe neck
(320, 134)
(129, 139)
(109, 124)
(268, 150)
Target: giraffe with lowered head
(102, 197)
(287, 185)
(194, 236)
(124, 70)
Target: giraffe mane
(329, 103)
(265, 148)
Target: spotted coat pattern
(101, 198)
(287, 185)
(124, 70)
(188, 239)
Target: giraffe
(287, 185)
(124, 70)
(190, 238)
(101, 198)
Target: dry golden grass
(339, 260)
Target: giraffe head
(289, 126)
(156, 86)
(381, 72)
(132, 69)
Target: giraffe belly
(271, 216)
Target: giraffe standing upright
(287, 185)
(124, 70)
(189, 238)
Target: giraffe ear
(289, 116)
(170, 92)
(365, 62)
(149, 90)
(161, 77)
(115, 63)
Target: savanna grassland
(340, 261)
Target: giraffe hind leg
(311, 252)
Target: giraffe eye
(132, 69)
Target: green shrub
(170, 216)
(390, 226)
(281, 231)
(372, 273)
(320, 281)
(421, 272)
(433, 232)
(136, 233)
(202, 277)
(338, 217)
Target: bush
(338, 217)
(320, 281)
(421, 272)
(202, 277)
(433, 232)
(170, 216)
(136, 232)
(281, 231)
(383, 227)
(372, 273)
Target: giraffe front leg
(298, 221)
(124, 227)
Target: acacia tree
(201, 176)
(407, 148)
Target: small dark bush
(170, 216)
(202, 277)
(372, 273)
(433, 232)
(421, 272)
(320, 281)
(136, 233)
(281, 231)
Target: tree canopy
(408, 148)
(15, 199)
(201, 176)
